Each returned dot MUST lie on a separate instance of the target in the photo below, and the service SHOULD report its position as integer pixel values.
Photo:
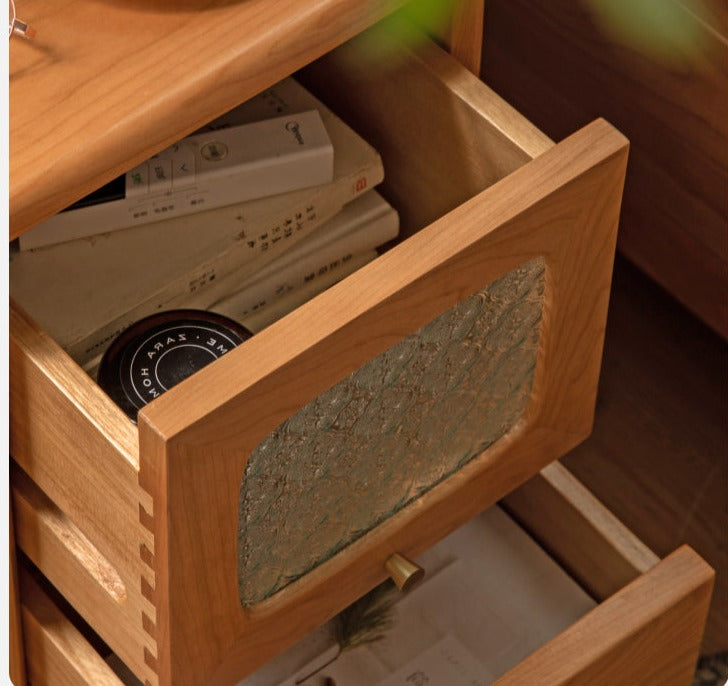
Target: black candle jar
(159, 351)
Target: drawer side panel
(70, 438)
(80, 515)
(57, 652)
(111, 602)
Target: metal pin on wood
(23, 29)
(403, 572)
(18, 26)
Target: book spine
(257, 237)
(276, 281)
(254, 246)
(280, 306)
(368, 208)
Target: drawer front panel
(196, 440)
(647, 633)
(388, 433)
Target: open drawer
(262, 495)
(647, 628)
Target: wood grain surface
(16, 653)
(559, 64)
(57, 652)
(466, 33)
(444, 137)
(104, 85)
(629, 632)
(600, 552)
(462, 32)
(74, 442)
(658, 455)
(110, 599)
(83, 505)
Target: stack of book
(91, 271)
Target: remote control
(203, 171)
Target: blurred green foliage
(429, 13)
(661, 29)
(409, 26)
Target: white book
(279, 307)
(132, 273)
(363, 225)
(292, 299)
(203, 171)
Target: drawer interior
(494, 592)
(443, 137)
(491, 597)
(510, 599)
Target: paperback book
(282, 305)
(273, 310)
(362, 226)
(132, 273)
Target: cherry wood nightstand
(144, 530)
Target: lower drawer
(377, 418)
(647, 628)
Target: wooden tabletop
(107, 83)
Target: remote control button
(183, 169)
(137, 181)
(214, 151)
(160, 175)
(197, 200)
(140, 212)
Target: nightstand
(487, 318)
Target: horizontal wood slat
(57, 653)
(110, 600)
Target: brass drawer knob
(403, 572)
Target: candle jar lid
(161, 350)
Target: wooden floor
(658, 456)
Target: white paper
(490, 597)
(447, 663)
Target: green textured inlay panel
(388, 433)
